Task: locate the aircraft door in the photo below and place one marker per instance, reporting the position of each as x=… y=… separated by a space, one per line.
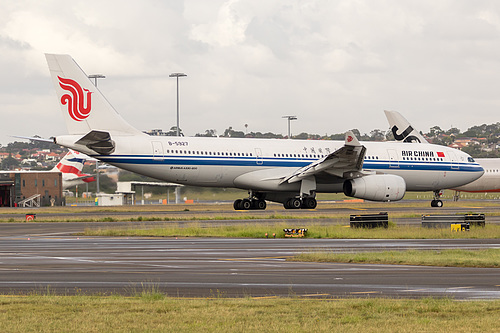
x=258 y=155
x=454 y=160
x=393 y=158
x=157 y=151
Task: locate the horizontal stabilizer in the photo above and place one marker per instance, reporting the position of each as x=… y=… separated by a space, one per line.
x=33 y=138
x=98 y=141
x=82 y=177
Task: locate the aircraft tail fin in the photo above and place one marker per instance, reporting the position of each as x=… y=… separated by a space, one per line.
x=401 y=128
x=84 y=107
x=71 y=163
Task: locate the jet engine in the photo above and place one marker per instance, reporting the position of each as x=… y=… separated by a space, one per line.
x=376 y=187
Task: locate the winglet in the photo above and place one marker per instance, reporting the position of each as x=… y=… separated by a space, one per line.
x=351 y=140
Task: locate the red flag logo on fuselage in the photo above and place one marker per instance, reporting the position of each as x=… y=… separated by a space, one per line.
x=440 y=154
x=79 y=100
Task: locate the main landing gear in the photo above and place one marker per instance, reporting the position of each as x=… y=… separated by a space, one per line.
x=254 y=201
x=297 y=203
x=436 y=202
x=247 y=204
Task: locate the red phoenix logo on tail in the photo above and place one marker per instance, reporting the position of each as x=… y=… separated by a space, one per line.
x=76 y=100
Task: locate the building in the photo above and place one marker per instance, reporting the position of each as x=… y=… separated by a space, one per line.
x=30 y=188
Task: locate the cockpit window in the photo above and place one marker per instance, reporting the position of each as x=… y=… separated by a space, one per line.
x=470 y=159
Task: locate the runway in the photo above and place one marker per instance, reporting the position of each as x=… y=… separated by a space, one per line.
x=326 y=213
x=45 y=259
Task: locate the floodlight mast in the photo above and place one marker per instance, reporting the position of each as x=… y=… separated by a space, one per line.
x=177 y=76
x=95 y=77
x=289 y=119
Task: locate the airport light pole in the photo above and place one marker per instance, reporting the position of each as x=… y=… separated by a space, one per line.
x=290 y=118
x=177 y=76
x=95 y=77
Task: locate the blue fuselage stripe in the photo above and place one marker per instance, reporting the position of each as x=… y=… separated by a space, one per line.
x=283 y=162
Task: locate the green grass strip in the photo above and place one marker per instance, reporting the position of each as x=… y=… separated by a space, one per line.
x=446 y=258
x=166 y=314
x=314 y=231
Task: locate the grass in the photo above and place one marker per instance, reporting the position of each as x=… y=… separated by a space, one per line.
x=41 y=313
x=191 y=230
x=226 y=208
x=488 y=258
x=314 y=231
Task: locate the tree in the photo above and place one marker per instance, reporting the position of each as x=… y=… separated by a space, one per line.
x=230 y=133
x=453 y=131
x=435 y=131
x=208 y=133
x=302 y=136
x=9 y=163
x=173 y=131
x=377 y=135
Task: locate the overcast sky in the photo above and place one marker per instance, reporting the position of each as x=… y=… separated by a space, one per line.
x=336 y=65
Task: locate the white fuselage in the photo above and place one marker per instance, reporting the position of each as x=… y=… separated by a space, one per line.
x=489 y=181
x=219 y=162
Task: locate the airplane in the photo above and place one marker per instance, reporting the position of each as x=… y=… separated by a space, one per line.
x=71 y=166
x=488 y=182
x=290 y=172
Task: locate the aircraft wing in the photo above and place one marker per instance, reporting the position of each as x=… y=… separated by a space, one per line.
x=345 y=162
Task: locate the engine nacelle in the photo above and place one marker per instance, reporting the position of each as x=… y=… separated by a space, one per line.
x=376 y=187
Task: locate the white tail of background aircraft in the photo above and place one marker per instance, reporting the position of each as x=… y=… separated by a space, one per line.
x=71 y=166
x=401 y=128
x=286 y=171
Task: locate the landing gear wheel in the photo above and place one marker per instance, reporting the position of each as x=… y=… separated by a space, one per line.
x=237 y=204
x=309 y=203
x=246 y=204
x=260 y=204
x=436 y=203
x=293 y=203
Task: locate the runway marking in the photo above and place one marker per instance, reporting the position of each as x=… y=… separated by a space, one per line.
x=410 y=290
x=462 y=287
x=256 y=258
x=313 y=295
x=359 y=209
x=365 y=292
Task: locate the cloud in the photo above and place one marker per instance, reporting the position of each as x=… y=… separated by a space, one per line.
x=335 y=64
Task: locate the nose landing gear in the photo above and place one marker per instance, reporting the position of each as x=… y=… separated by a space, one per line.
x=436 y=202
